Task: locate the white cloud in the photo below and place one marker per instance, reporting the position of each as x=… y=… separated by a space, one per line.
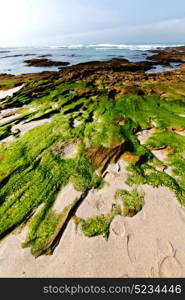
x=164 y=31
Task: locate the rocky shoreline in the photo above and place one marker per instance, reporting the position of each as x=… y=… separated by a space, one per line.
x=88 y=155
x=162 y=57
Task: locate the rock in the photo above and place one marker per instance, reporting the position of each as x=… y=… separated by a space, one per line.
x=44 y=62
x=168 y=55
x=101 y=155
x=45 y=55
x=29 y=54
x=4 y=51
x=10 y=56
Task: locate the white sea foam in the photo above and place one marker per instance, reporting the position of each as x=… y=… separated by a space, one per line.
x=76 y=53
x=68 y=46
x=142 y=47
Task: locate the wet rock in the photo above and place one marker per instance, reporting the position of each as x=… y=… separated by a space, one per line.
x=4 y=51
x=11 y=56
x=100 y=156
x=168 y=55
x=44 y=62
x=45 y=55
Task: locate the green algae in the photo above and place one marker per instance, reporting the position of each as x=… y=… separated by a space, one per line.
x=5 y=131
x=133 y=201
x=166 y=90
x=8 y=83
x=175 y=158
x=147 y=174
x=99 y=225
x=31 y=173
x=44 y=228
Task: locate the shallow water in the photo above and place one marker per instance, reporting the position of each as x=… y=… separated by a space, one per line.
x=12 y=59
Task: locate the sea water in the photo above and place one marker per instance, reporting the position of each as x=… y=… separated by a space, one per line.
x=12 y=59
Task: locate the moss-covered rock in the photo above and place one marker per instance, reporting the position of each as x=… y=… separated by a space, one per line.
x=100 y=108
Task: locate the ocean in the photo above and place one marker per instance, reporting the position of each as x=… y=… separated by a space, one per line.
x=12 y=59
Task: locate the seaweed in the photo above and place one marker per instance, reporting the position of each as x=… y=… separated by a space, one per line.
x=32 y=173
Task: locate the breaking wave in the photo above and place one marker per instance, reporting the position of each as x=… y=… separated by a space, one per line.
x=142 y=47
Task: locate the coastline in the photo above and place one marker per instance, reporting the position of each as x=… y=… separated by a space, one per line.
x=17 y=60
x=89 y=121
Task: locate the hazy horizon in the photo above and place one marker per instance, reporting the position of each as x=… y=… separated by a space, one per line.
x=57 y=22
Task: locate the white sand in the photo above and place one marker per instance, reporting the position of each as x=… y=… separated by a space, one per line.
x=76 y=123
x=65 y=197
x=182 y=133
x=143 y=135
x=160 y=154
x=100 y=202
x=9 y=92
x=151 y=244
x=8 y=114
x=25 y=127
x=10 y=118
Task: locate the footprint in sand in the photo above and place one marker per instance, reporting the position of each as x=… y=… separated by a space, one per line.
x=152 y=272
x=118 y=226
x=170 y=267
x=99 y=204
x=131 y=247
x=96 y=201
x=165 y=247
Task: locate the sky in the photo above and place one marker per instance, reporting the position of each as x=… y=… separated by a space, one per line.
x=64 y=22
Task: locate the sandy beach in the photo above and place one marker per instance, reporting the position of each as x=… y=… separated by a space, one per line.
x=147 y=245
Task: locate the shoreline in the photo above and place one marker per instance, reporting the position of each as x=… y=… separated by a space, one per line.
x=38 y=60
x=92 y=168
